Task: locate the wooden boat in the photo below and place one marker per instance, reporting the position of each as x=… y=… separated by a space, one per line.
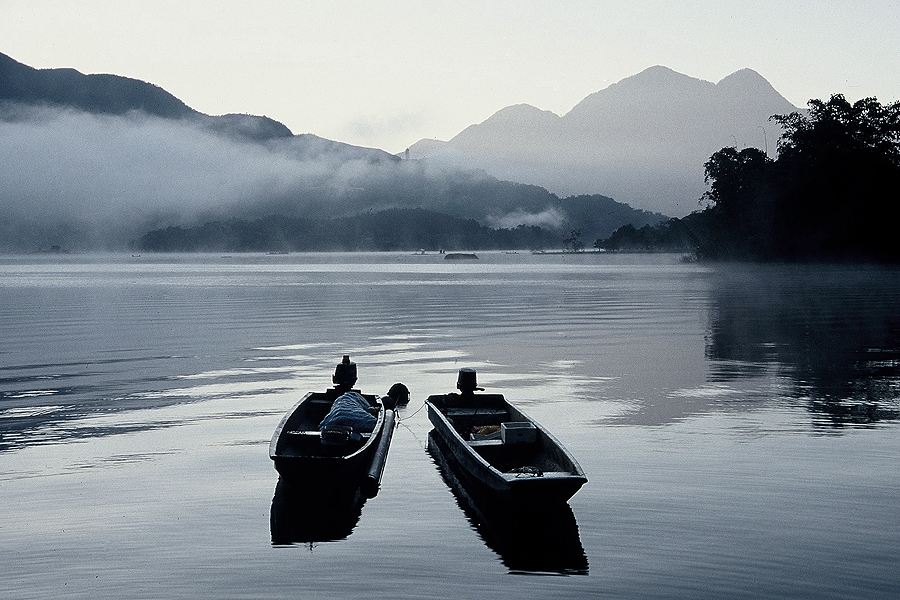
x=332 y=457
x=529 y=538
x=522 y=463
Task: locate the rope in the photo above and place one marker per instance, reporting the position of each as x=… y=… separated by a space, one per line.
x=407 y=427
x=399 y=419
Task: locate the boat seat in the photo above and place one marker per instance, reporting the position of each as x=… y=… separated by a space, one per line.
x=509 y=476
x=483 y=443
x=471 y=412
x=317 y=433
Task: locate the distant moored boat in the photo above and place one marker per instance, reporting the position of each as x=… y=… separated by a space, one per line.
x=461 y=256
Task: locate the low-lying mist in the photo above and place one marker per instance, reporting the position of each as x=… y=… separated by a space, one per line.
x=87 y=181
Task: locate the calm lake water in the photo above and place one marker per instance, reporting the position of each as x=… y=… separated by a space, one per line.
x=738 y=424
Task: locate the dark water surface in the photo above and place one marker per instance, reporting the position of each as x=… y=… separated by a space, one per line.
x=738 y=425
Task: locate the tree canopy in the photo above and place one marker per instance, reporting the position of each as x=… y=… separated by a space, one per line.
x=864 y=131
x=837 y=172
x=829 y=195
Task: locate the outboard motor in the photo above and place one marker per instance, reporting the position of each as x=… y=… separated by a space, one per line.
x=398 y=395
x=467 y=382
x=344 y=373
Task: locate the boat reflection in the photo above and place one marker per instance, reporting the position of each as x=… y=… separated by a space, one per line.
x=309 y=514
x=528 y=539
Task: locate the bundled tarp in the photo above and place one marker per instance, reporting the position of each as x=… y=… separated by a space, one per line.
x=349 y=410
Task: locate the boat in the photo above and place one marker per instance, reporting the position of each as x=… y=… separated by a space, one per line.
x=460 y=256
x=528 y=538
x=502 y=452
x=336 y=454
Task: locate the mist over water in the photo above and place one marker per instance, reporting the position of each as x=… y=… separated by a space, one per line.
x=737 y=423
x=101 y=173
x=89 y=182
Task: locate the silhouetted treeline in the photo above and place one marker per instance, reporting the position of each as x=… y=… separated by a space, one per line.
x=829 y=196
x=675 y=235
x=594 y=213
x=397 y=228
x=393 y=229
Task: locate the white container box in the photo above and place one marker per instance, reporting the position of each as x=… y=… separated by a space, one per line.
x=518 y=433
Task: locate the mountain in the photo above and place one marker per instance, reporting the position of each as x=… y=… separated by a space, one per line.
x=115 y=95
x=94 y=162
x=642 y=141
x=110 y=94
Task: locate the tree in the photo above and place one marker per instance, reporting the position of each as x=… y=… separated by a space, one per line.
x=838 y=167
x=828 y=196
x=740 y=203
x=574 y=241
x=733 y=177
x=864 y=130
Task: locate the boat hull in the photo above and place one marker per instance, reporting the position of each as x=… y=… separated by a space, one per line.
x=303 y=460
x=529 y=538
x=538 y=472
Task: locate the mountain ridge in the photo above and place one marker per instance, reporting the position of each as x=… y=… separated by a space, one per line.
x=642 y=140
x=99 y=161
x=104 y=93
x=117 y=95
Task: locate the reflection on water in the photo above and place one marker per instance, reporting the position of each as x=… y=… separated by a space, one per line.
x=49 y=403
x=528 y=540
x=137 y=401
x=834 y=332
x=303 y=515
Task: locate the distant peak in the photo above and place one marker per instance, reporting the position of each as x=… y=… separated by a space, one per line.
x=743 y=77
x=518 y=111
x=658 y=70
x=515 y=118
x=659 y=74
x=654 y=85
x=656 y=79
x=747 y=82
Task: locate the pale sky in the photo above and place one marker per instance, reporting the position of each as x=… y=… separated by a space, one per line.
x=387 y=73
